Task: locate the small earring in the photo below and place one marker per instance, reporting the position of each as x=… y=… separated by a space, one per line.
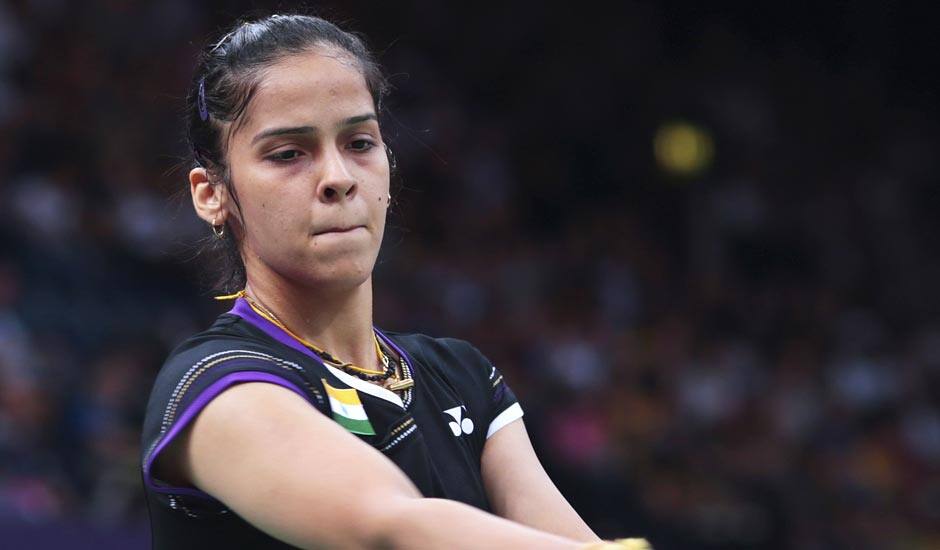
x=218 y=230
x=389 y=198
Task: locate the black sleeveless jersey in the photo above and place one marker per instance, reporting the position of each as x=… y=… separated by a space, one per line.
x=434 y=432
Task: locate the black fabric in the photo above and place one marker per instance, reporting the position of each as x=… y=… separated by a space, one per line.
x=441 y=454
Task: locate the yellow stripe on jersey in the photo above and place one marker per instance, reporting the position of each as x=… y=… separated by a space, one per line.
x=348 y=410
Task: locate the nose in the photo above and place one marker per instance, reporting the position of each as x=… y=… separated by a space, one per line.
x=336 y=182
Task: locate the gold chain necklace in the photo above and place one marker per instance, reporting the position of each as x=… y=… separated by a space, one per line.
x=388 y=376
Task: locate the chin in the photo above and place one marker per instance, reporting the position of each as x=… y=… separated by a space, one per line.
x=346 y=275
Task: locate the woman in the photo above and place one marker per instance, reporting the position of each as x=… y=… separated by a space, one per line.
x=292 y=420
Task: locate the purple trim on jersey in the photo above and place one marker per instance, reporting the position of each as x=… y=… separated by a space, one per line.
x=498 y=394
x=194 y=408
x=400 y=351
x=245 y=311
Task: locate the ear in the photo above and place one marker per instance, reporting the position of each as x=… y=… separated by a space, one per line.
x=209 y=199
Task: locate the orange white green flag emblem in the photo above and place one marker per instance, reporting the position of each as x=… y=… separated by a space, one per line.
x=348 y=411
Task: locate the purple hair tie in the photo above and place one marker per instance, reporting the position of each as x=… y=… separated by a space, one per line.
x=201 y=100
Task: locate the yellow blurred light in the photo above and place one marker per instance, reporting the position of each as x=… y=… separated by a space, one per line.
x=683 y=149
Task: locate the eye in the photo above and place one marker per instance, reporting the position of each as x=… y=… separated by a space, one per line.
x=361 y=145
x=285 y=156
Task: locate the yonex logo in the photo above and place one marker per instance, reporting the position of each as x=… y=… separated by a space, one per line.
x=458 y=426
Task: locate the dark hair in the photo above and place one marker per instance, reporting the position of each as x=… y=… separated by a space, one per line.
x=226 y=79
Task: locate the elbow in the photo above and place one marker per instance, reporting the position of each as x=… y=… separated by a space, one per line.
x=374 y=523
x=389 y=523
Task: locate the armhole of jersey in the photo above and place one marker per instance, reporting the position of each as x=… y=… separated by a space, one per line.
x=503 y=419
x=193 y=409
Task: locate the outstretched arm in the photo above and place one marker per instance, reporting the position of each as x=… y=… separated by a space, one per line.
x=519 y=489
x=295 y=474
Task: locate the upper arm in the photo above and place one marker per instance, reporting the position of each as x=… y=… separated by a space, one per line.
x=286 y=468
x=519 y=489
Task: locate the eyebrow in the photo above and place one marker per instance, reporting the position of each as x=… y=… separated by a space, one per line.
x=300 y=130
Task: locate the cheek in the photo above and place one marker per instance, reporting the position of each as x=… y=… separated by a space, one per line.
x=271 y=212
x=373 y=180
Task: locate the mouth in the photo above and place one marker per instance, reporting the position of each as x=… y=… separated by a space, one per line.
x=338 y=230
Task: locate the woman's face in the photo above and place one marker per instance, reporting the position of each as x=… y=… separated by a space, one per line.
x=310 y=171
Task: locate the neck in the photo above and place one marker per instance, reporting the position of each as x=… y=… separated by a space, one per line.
x=337 y=320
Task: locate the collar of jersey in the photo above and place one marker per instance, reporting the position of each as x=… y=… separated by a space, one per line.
x=243 y=310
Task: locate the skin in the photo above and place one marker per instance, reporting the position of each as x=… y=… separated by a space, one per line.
x=252 y=446
x=519 y=489
x=292 y=187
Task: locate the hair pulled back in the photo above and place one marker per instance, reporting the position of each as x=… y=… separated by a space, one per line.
x=225 y=80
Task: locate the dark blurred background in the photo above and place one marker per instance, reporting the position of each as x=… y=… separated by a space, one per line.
x=700 y=242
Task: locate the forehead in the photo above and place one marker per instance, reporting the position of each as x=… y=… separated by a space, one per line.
x=315 y=88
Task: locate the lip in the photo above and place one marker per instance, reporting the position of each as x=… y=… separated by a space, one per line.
x=338 y=230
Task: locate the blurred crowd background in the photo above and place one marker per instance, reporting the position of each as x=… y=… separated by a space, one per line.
x=700 y=243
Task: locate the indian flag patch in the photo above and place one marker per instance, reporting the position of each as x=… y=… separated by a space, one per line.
x=348 y=411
